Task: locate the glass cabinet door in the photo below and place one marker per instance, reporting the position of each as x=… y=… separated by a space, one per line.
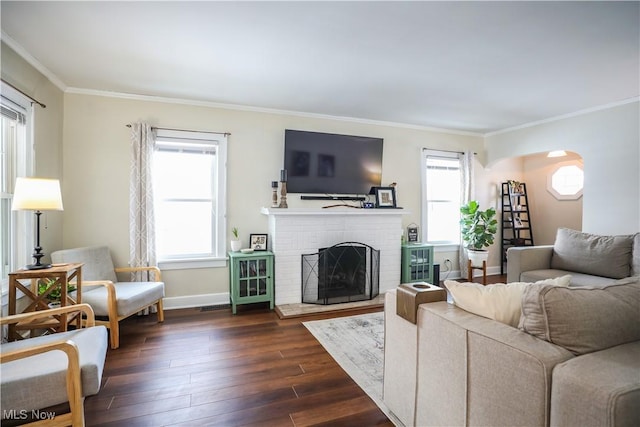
x=252 y=279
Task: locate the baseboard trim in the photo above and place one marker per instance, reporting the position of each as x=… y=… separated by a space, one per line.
x=204 y=300
x=191 y=301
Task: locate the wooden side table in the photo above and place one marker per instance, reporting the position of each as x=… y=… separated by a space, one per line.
x=61 y=274
x=484 y=271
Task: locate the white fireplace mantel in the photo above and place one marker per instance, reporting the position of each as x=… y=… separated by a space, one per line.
x=333 y=211
x=297 y=231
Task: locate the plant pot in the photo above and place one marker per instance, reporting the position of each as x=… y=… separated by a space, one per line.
x=476 y=256
x=236 y=245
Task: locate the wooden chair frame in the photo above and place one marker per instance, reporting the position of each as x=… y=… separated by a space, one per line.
x=113 y=322
x=73 y=378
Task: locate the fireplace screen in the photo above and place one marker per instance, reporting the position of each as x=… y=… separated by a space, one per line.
x=345 y=272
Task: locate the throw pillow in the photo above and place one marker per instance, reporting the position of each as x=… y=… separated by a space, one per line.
x=583 y=319
x=606 y=256
x=499 y=301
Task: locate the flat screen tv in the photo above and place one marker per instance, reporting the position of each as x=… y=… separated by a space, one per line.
x=326 y=163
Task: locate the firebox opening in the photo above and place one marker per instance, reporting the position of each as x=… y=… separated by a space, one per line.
x=345 y=272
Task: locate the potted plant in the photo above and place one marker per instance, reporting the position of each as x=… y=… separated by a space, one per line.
x=54 y=296
x=236 y=244
x=478 y=229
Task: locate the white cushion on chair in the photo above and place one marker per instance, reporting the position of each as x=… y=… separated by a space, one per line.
x=130 y=296
x=39 y=381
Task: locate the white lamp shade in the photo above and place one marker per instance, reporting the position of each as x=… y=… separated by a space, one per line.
x=37 y=194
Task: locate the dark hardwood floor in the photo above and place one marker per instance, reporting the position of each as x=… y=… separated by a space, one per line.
x=210 y=368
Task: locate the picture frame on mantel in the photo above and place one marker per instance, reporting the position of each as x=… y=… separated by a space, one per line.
x=385 y=197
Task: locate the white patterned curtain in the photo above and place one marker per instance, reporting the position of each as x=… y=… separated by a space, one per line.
x=467 y=193
x=142 y=236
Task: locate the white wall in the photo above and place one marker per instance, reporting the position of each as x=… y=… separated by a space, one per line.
x=609 y=142
x=96 y=169
x=547 y=212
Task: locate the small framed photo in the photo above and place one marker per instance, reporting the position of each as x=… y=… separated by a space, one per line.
x=385 y=197
x=258 y=242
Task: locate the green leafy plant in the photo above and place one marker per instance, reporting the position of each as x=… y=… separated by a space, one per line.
x=234 y=231
x=56 y=293
x=478 y=227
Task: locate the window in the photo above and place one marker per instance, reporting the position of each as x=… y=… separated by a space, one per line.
x=441 y=172
x=189 y=194
x=16 y=159
x=566 y=182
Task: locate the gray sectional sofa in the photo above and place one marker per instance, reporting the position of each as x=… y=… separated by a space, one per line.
x=590 y=259
x=573 y=359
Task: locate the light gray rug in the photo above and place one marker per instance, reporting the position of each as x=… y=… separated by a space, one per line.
x=357 y=344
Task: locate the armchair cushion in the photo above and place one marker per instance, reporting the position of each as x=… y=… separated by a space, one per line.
x=130 y=297
x=38 y=381
x=98 y=264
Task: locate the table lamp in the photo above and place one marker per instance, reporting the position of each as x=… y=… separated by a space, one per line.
x=37 y=194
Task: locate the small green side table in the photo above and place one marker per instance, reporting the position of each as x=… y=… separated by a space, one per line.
x=250 y=278
x=417 y=263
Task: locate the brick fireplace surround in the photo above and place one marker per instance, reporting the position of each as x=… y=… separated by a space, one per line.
x=293 y=232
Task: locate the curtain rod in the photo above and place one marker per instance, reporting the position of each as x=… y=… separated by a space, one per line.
x=33 y=100
x=187 y=130
x=447 y=151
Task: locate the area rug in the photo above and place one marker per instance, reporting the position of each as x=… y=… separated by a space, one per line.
x=357 y=344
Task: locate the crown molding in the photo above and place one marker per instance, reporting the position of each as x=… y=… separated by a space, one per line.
x=74 y=90
x=564 y=116
x=197 y=103
x=22 y=52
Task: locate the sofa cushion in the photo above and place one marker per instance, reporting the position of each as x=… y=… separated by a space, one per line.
x=607 y=256
x=583 y=319
x=635 y=256
x=601 y=388
x=577 y=279
x=498 y=301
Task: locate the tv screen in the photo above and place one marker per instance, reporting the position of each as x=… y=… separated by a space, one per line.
x=326 y=163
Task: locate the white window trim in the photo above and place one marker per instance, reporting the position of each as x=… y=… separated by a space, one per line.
x=555 y=169
x=438 y=246
x=221 y=222
x=23 y=236
x=192 y=263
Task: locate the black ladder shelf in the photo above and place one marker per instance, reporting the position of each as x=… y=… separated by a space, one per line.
x=516 y=219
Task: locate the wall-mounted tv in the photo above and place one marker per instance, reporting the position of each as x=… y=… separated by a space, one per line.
x=326 y=163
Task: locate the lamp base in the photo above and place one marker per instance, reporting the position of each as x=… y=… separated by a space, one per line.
x=37 y=266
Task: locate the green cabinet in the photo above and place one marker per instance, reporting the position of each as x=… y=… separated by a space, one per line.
x=250 y=278
x=417 y=263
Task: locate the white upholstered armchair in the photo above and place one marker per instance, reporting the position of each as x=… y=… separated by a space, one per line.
x=50 y=370
x=109 y=297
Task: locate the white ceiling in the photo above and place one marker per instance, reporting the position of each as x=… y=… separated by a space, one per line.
x=467 y=66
